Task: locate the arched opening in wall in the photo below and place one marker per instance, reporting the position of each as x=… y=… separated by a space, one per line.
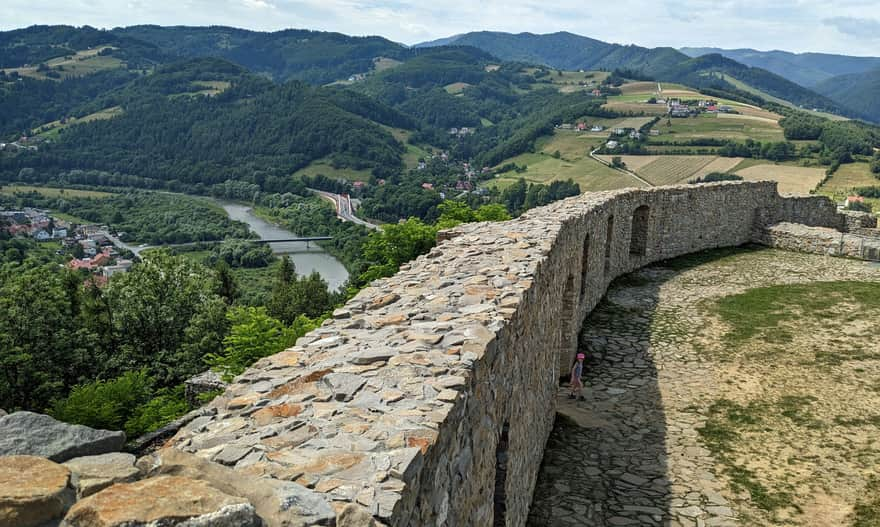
x=638 y=242
x=500 y=499
x=609 y=236
x=566 y=333
x=585 y=265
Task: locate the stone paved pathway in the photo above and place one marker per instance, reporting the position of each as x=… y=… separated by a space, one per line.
x=630 y=454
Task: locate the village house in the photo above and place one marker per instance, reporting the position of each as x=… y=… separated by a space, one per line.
x=581 y=127
x=122 y=266
x=597 y=128
x=611 y=145
x=852 y=200
x=42 y=236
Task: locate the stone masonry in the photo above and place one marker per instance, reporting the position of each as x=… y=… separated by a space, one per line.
x=428 y=398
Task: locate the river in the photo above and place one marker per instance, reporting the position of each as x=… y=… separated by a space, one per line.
x=306 y=260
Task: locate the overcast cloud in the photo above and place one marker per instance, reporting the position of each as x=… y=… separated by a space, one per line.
x=847 y=26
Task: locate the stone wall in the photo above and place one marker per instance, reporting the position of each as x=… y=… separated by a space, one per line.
x=821 y=240
x=428 y=398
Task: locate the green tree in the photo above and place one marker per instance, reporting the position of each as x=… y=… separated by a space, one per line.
x=396 y=244
x=105 y=404
x=253 y=335
x=43 y=349
x=227 y=286
x=167 y=316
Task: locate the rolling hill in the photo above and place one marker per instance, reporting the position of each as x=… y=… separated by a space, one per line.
x=806 y=69
x=569 y=51
x=316 y=57
x=859 y=91
x=565 y=50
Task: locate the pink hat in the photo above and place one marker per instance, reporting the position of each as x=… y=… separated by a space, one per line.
x=581 y=356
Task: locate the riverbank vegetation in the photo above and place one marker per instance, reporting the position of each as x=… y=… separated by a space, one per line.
x=144 y=217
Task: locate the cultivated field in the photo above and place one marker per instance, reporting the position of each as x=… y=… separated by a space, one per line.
x=574 y=162
x=634 y=163
x=791 y=179
x=51 y=129
x=720 y=164
x=79 y=64
x=720 y=126
x=636 y=107
x=633 y=122
x=850 y=176
x=669 y=170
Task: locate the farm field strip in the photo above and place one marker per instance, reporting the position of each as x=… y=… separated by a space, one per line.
x=720 y=164
x=668 y=170
x=791 y=179
x=634 y=163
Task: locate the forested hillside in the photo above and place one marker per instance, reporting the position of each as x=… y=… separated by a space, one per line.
x=569 y=51
x=806 y=69
x=314 y=56
x=252 y=130
x=859 y=91
x=565 y=50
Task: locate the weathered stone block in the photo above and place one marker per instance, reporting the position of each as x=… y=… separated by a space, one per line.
x=163 y=500
x=27 y=433
x=33 y=490
x=91 y=474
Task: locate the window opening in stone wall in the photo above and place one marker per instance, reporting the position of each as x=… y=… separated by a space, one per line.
x=609 y=233
x=564 y=338
x=585 y=265
x=638 y=244
x=500 y=500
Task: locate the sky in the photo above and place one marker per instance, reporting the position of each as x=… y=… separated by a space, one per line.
x=849 y=27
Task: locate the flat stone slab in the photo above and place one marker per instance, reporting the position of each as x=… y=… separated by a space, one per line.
x=30 y=434
x=33 y=490
x=91 y=474
x=164 y=500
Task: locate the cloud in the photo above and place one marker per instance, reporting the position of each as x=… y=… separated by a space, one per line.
x=794 y=25
x=857 y=27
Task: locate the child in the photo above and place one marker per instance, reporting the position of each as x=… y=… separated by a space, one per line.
x=577 y=369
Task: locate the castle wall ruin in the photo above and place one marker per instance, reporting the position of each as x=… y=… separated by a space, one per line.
x=428 y=398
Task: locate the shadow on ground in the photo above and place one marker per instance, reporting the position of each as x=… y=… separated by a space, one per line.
x=606 y=462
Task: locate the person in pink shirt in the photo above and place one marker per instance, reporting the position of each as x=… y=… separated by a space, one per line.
x=577 y=369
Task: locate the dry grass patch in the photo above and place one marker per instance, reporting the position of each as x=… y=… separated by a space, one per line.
x=456 y=87
x=791 y=179
x=646 y=87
